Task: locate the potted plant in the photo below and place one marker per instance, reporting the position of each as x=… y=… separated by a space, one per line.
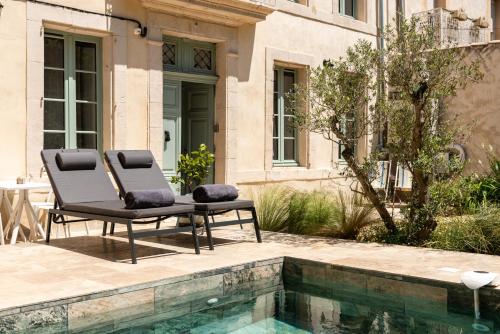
x=193 y=168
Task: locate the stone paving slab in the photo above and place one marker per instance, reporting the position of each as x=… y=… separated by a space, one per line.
x=72 y=267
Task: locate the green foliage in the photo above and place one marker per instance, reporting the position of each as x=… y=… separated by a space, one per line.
x=467 y=194
x=193 y=168
x=311 y=212
x=479 y=233
x=352 y=214
x=487 y=187
x=454 y=196
x=318 y=212
x=377 y=232
x=271 y=204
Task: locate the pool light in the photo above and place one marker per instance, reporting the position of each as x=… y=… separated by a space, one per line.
x=475 y=280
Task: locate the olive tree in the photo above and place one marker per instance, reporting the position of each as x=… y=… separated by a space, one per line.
x=348 y=100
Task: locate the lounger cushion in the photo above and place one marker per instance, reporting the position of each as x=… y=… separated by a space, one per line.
x=117 y=209
x=67 y=161
x=135 y=159
x=151 y=198
x=215 y=206
x=209 y=193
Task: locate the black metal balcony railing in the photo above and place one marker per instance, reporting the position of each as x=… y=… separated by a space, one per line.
x=452 y=30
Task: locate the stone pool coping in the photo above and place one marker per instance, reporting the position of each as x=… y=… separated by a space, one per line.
x=78 y=269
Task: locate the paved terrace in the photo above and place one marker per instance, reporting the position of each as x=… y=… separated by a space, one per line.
x=33 y=273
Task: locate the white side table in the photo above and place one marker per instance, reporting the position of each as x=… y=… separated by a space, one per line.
x=23 y=203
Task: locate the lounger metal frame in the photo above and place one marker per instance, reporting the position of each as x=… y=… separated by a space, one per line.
x=56 y=215
x=110 y=159
x=212 y=213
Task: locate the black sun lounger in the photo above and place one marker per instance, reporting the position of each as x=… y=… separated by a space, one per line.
x=84 y=190
x=130 y=177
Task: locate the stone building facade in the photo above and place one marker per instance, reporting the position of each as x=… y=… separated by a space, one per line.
x=83 y=74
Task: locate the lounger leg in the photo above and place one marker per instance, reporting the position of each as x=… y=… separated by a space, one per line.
x=104 y=228
x=131 y=242
x=239 y=218
x=112 y=229
x=209 y=232
x=195 y=236
x=158 y=225
x=256 y=225
x=49 y=227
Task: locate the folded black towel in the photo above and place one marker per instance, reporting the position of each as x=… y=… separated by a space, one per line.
x=209 y=193
x=144 y=199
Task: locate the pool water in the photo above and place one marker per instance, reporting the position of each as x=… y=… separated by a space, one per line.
x=300 y=309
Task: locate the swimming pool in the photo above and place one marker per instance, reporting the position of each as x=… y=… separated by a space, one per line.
x=292 y=310
x=292 y=296
x=288 y=306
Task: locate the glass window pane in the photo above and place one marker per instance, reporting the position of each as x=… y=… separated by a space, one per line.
x=86 y=87
x=275 y=81
x=54 y=52
x=289 y=126
x=86 y=140
x=275 y=149
x=275 y=126
x=202 y=59
x=53 y=115
x=289 y=149
x=349 y=7
x=54 y=84
x=169 y=53
x=85 y=56
x=288 y=81
x=86 y=117
x=54 y=140
x=289 y=86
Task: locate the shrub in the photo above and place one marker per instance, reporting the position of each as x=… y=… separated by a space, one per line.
x=311 y=211
x=377 y=232
x=453 y=197
x=353 y=213
x=271 y=204
x=466 y=194
x=478 y=233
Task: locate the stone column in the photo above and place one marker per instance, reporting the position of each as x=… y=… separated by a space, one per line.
x=155 y=100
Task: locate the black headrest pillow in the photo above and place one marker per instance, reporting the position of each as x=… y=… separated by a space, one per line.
x=135 y=159
x=75 y=161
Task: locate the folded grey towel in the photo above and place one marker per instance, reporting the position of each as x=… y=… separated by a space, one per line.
x=145 y=199
x=209 y=193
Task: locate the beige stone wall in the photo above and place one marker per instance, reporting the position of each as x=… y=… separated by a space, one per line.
x=282 y=39
x=12 y=89
x=477 y=106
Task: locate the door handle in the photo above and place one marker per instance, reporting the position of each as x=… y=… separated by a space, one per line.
x=166 y=136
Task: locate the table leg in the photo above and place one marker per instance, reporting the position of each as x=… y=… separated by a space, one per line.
x=14 y=219
x=37 y=227
x=17 y=229
x=10 y=212
x=2 y=241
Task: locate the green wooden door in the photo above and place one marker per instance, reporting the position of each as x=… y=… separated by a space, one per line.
x=198 y=110
x=172 y=120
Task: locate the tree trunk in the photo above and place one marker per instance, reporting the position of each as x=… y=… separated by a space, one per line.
x=420 y=182
x=368 y=190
